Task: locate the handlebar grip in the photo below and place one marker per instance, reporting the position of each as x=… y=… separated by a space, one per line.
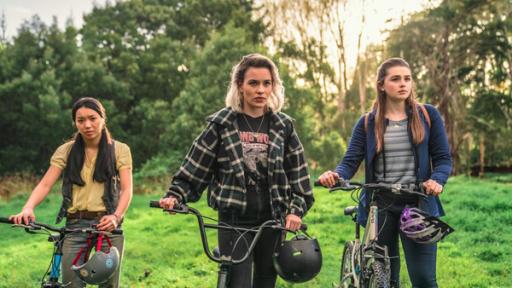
x=5 y=220
x=154 y=204
x=317 y=183
x=303 y=227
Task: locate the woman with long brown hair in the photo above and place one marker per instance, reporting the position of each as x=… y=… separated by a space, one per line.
x=402 y=142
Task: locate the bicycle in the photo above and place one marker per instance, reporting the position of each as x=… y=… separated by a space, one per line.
x=364 y=263
x=225 y=261
x=53 y=271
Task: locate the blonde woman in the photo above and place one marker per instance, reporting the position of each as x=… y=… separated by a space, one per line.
x=250 y=158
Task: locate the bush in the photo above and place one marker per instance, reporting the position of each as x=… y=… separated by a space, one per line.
x=155 y=174
x=18 y=183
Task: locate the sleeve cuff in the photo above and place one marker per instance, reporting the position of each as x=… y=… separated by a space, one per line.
x=297 y=212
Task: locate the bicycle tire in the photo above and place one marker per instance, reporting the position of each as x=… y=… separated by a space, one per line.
x=347 y=279
x=379 y=276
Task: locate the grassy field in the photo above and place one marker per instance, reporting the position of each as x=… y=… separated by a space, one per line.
x=165 y=251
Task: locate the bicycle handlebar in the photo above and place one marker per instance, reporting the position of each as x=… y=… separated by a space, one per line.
x=5 y=220
x=395 y=188
x=38 y=226
x=184 y=209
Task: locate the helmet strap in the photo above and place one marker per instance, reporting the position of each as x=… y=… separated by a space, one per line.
x=99 y=242
x=86 y=249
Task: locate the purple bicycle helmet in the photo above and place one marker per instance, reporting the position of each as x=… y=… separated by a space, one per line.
x=422 y=228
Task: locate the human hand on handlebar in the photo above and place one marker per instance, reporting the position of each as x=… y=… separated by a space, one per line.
x=169 y=203
x=328 y=179
x=432 y=187
x=293 y=222
x=107 y=223
x=24 y=217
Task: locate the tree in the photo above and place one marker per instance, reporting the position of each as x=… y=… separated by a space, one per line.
x=462 y=57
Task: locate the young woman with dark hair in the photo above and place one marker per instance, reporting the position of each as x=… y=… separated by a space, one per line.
x=96 y=185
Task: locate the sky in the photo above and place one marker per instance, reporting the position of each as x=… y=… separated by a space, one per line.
x=380 y=16
x=16 y=11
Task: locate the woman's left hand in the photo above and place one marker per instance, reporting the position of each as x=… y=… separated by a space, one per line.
x=432 y=187
x=293 y=222
x=107 y=223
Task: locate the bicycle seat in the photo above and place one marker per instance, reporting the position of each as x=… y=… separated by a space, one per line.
x=350 y=210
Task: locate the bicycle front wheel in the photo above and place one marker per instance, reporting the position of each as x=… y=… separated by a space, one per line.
x=348 y=278
x=379 y=276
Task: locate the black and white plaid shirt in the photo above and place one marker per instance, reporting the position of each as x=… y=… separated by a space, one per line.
x=215 y=160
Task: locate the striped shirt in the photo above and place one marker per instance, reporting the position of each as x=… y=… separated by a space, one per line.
x=398 y=151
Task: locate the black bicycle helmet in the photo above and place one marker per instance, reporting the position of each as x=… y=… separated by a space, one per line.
x=298 y=259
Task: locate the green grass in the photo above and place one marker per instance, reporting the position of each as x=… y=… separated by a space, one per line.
x=165 y=251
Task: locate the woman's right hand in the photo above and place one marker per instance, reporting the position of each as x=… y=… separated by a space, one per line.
x=328 y=178
x=169 y=202
x=24 y=217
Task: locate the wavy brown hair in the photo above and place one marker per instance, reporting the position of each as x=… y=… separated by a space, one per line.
x=379 y=106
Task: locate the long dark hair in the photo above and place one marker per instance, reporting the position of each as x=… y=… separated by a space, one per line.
x=379 y=106
x=103 y=169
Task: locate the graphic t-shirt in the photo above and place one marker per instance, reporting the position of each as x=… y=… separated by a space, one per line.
x=254 y=136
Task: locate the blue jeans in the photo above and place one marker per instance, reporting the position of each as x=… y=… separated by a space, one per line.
x=71 y=246
x=420 y=258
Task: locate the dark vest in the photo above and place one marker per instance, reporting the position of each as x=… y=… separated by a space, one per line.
x=110 y=194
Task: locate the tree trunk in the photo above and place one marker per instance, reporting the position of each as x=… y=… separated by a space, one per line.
x=482 y=155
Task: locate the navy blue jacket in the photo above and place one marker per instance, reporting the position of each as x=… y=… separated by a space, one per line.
x=432 y=158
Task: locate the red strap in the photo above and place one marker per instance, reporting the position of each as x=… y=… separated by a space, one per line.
x=82 y=249
x=108 y=241
x=99 y=243
x=75 y=260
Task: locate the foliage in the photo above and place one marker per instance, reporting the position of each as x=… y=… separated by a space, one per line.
x=463 y=65
x=135 y=56
x=162 y=66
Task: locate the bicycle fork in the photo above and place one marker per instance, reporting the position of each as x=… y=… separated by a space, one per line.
x=53 y=282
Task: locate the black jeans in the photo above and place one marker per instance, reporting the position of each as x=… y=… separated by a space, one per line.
x=258 y=270
x=420 y=258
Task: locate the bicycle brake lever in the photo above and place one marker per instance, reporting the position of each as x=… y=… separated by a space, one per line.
x=180 y=209
x=28 y=228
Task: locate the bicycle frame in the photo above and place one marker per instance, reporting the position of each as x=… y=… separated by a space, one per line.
x=365 y=253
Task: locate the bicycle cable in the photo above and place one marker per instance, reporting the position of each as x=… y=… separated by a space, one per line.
x=240 y=237
x=51 y=260
x=233 y=228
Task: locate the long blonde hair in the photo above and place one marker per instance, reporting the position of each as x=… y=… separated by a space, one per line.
x=379 y=106
x=234 y=99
